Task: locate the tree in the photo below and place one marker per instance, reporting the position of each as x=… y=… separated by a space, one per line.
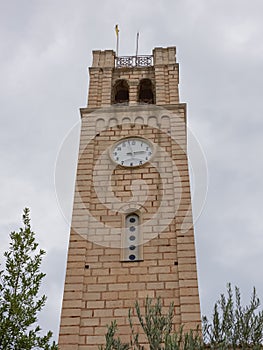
x=19 y=289
x=158 y=329
x=233 y=325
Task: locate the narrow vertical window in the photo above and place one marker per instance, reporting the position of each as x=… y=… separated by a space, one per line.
x=132 y=250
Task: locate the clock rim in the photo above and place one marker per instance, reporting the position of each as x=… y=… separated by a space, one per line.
x=151 y=144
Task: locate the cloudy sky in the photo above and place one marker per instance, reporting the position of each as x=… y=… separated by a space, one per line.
x=45 y=49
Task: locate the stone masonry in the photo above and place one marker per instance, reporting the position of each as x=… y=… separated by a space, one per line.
x=99 y=285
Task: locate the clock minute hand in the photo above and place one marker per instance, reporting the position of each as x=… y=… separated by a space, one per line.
x=132 y=153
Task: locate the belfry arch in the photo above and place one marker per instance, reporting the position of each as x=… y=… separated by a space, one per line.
x=146 y=91
x=120 y=91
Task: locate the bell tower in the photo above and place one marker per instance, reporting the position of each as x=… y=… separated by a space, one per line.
x=132 y=231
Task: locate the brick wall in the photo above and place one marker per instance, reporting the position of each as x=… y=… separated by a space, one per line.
x=99 y=286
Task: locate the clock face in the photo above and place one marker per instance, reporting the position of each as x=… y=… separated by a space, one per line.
x=132 y=151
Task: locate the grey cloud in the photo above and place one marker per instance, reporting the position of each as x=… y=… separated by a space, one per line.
x=45 y=49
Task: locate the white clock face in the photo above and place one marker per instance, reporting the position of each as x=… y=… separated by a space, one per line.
x=132 y=151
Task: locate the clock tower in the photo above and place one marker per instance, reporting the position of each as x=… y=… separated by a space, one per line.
x=132 y=231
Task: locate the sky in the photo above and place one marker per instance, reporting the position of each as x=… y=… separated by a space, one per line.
x=45 y=49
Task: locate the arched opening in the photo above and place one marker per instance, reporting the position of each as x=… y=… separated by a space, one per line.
x=146 y=91
x=132 y=240
x=121 y=92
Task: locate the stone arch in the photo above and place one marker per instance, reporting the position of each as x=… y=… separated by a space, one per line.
x=113 y=122
x=152 y=121
x=139 y=120
x=120 y=91
x=126 y=120
x=165 y=121
x=100 y=124
x=146 y=91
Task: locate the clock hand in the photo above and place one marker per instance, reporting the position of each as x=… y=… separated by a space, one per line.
x=135 y=152
x=132 y=153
